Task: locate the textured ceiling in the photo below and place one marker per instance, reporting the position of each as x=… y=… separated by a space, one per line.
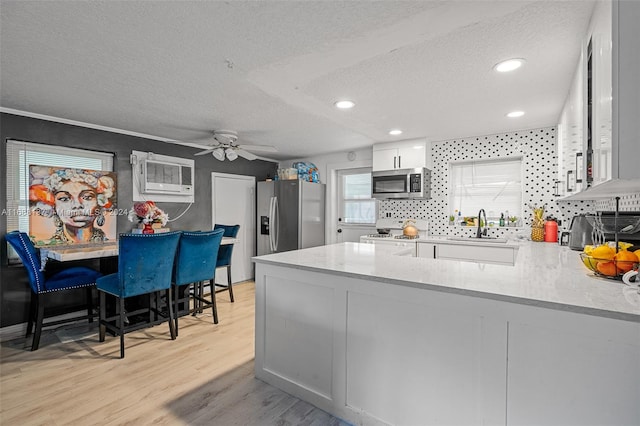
x=272 y=70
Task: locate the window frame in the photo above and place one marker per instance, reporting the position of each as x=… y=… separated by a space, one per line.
x=17 y=177
x=452 y=196
x=341 y=196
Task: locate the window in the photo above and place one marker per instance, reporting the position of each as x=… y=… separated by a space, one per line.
x=356 y=204
x=22 y=154
x=493 y=185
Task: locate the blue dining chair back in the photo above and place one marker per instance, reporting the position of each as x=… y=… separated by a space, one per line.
x=224 y=256
x=196 y=261
x=41 y=285
x=145 y=266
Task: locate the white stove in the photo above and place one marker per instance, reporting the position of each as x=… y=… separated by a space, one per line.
x=395 y=236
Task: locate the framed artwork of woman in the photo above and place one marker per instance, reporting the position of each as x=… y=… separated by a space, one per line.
x=71 y=206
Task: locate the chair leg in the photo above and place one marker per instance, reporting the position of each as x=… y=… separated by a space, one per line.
x=172 y=330
x=212 y=284
x=39 y=319
x=121 y=326
x=33 y=306
x=90 y=304
x=229 y=282
x=102 y=315
x=176 y=296
x=196 y=294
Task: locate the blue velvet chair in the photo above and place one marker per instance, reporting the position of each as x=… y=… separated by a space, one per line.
x=42 y=287
x=145 y=266
x=196 y=263
x=224 y=256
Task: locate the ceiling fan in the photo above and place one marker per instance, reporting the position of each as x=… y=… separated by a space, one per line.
x=223 y=145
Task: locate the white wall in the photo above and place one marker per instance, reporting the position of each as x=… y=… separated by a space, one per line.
x=321 y=161
x=327 y=165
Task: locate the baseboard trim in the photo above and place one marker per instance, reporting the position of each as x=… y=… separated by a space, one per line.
x=16 y=331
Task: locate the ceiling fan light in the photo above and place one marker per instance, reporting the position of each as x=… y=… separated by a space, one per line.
x=218 y=153
x=231 y=154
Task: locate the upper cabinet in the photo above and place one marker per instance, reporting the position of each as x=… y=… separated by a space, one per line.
x=599 y=129
x=626 y=90
x=409 y=154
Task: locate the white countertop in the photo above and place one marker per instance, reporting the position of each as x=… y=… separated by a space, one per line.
x=545 y=275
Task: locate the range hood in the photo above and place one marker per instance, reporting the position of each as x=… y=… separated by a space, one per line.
x=608 y=189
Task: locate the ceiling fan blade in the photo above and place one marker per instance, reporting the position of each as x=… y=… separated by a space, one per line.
x=245 y=154
x=206 y=151
x=261 y=148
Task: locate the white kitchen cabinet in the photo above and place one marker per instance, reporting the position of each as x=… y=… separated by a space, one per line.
x=426 y=250
x=609 y=149
x=374 y=352
x=400 y=155
x=565 y=370
x=499 y=254
x=625 y=90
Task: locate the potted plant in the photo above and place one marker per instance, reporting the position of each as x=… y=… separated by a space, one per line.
x=452 y=220
x=513 y=220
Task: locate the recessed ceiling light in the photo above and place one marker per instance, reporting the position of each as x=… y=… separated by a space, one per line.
x=508 y=65
x=346 y=104
x=515 y=114
x=395 y=132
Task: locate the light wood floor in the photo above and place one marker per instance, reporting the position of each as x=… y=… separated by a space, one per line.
x=205 y=377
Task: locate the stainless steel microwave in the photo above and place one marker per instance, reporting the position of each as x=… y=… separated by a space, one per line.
x=401 y=183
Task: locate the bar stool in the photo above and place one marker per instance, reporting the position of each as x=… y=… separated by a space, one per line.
x=68 y=279
x=224 y=256
x=195 y=263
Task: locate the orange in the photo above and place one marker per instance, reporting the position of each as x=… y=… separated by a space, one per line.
x=607 y=268
x=625 y=260
x=637 y=253
x=603 y=252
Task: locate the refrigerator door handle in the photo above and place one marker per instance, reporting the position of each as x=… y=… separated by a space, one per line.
x=276 y=214
x=271 y=225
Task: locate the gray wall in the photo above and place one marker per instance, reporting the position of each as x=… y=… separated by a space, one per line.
x=14 y=287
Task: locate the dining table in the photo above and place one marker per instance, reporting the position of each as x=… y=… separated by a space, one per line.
x=67 y=253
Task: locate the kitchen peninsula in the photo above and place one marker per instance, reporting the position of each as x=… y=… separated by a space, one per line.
x=379 y=338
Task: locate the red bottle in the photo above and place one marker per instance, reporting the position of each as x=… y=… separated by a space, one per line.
x=551 y=231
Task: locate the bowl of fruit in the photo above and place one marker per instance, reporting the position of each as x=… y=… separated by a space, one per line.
x=603 y=260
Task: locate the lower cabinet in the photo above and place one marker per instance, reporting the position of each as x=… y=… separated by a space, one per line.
x=427 y=250
x=375 y=353
x=568 y=369
x=504 y=255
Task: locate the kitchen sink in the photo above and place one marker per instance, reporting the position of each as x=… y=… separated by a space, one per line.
x=479 y=240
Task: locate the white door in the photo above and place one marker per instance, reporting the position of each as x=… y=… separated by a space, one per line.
x=356 y=210
x=233 y=198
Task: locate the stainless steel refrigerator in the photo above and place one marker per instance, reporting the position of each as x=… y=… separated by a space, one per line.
x=290 y=215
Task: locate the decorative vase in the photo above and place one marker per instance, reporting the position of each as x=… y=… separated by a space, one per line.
x=537 y=233
x=148 y=229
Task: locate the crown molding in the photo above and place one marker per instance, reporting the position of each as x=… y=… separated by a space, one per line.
x=83 y=124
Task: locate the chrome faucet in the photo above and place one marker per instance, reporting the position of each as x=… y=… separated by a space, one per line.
x=482 y=232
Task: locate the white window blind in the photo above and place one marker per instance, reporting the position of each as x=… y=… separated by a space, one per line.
x=493 y=185
x=22 y=154
x=356 y=204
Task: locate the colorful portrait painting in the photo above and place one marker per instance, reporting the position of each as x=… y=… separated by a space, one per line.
x=71 y=206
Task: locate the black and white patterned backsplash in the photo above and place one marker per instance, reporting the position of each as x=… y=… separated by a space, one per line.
x=538 y=150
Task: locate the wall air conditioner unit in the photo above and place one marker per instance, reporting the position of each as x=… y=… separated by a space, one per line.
x=165 y=177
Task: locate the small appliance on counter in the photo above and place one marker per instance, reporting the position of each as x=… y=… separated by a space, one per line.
x=582 y=231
